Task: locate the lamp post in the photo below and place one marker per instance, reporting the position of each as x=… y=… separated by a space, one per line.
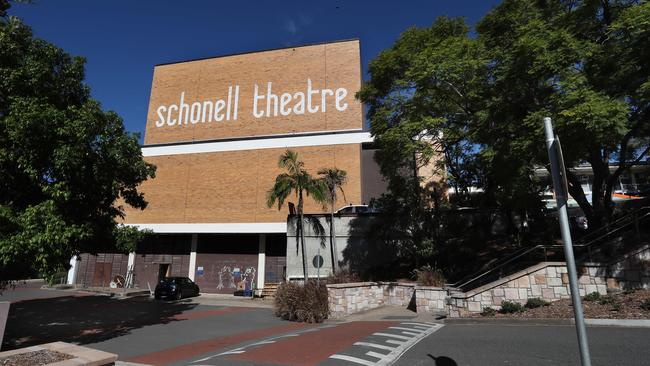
x=561 y=195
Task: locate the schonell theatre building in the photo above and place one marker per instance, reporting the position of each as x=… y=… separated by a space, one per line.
x=215 y=130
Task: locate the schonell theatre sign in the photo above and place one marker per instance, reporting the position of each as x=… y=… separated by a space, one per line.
x=266 y=102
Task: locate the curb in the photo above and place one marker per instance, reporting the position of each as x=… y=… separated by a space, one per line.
x=627 y=323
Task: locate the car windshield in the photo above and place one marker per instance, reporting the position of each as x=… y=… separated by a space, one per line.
x=170 y=280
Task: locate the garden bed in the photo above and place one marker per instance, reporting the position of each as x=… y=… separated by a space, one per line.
x=627 y=305
x=35 y=358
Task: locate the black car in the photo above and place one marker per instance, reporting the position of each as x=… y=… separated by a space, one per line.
x=176 y=288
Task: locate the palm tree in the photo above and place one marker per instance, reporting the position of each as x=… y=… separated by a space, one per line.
x=332 y=180
x=296 y=179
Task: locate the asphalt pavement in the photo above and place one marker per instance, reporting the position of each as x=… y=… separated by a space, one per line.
x=217 y=330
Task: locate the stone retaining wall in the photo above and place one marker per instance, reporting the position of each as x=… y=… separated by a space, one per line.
x=548 y=281
x=430 y=299
x=350 y=298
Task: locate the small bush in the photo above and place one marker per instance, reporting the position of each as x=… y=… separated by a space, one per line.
x=510 y=307
x=343 y=275
x=536 y=303
x=429 y=276
x=616 y=307
x=302 y=303
x=607 y=300
x=594 y=296
x=645 y=304
x=629 y=291
x=488 y=311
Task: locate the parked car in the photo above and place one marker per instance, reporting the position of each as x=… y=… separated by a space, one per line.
x=176 y=288
x=355 y=209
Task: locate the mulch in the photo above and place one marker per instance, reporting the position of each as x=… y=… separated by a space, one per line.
x=34 y=358
x=616 y=306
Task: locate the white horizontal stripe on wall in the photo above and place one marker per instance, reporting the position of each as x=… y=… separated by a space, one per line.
x=225 y=228
x=257 y=144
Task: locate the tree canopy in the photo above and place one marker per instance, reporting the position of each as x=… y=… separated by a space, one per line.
x=481 y=96
x=67 y=167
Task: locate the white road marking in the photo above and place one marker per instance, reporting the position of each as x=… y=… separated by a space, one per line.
x=262 y=342
x=394 y=341
x=395 y=352
x=360 y=361
x=375 y=345
x=392 y=336
x=422 y=325
x=410 y=333
x=376 y=355
x=409 y=329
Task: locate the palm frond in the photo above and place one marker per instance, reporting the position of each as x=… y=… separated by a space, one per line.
x=317 y=227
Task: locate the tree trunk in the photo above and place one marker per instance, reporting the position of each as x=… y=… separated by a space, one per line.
x=333 y=243
x=302 y=237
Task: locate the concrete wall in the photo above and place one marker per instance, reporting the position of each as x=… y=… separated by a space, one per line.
x=350 y=232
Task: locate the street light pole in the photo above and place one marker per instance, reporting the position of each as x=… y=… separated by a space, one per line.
x=561 y=195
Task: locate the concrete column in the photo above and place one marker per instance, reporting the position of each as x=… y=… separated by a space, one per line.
x=130 y=270
x=261 y=260
x=131 y=262
x=192 y=269
x=74 y=269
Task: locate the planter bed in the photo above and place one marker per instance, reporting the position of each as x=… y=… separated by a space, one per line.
x=56 y=353
x=617 y=306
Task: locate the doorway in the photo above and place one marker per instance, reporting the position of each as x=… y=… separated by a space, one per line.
x=163 y=271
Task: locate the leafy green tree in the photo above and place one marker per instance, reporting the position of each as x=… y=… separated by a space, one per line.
x=298 y=181
x=333 y=180
x=482 y=98
x=67 y=168
x=583 y=63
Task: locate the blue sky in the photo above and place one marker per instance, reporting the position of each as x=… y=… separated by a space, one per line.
x=123 y=40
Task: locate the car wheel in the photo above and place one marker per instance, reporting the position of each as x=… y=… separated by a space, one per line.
x=179 y=295
x=157 y=297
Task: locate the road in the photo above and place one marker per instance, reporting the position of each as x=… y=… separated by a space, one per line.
x=192 y=332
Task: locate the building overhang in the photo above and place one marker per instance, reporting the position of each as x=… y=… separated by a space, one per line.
x=215 y=228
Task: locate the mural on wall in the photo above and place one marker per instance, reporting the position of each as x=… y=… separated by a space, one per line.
x=235 y=278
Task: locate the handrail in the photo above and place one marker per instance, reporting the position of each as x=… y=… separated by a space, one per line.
x=581 y=244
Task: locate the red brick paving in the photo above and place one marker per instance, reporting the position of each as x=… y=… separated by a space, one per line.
x=312 y=348
x=191 y=350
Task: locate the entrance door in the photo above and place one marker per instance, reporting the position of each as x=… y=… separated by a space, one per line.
x=163 y=271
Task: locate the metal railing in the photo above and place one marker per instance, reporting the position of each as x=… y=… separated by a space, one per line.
x=526 y=257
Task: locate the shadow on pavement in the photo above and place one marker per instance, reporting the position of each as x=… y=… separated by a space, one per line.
x=443 y=360
x=83 y=320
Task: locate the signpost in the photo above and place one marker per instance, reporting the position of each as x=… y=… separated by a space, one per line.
x=561 y=194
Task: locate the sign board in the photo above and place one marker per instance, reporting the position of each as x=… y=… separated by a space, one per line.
x=284 y=91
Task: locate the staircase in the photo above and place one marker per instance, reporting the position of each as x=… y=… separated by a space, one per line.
x=598 y=245
x=269 y=289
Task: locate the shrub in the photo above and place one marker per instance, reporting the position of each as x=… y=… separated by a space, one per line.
x=629 y=291
x=645 y=304
x=429 y=276
x=536 y=303
x=616 y=307
x=594 y=296
x=343 y=275
x=488 y=311
x=509 y=307
x=302 y=303
x=607 y=300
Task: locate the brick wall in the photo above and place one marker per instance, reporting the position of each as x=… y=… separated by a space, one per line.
x=331 y=65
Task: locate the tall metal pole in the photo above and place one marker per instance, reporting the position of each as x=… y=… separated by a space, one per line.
x=559 y=186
